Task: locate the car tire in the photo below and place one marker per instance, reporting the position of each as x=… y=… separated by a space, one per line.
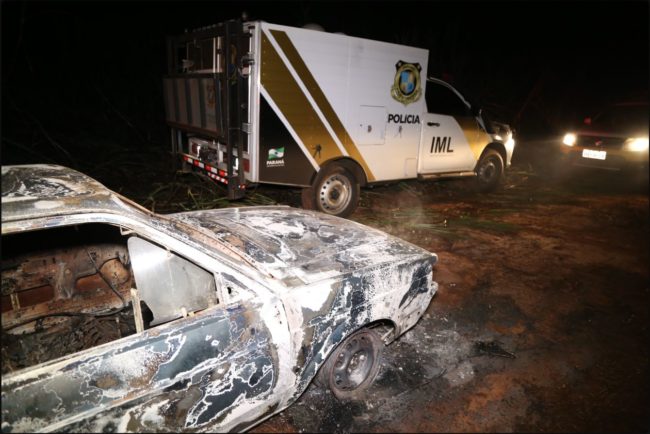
x=335 y=191
x=353 y=365
x=489 y=171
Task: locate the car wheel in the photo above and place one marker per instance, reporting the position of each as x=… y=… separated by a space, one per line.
x=353 y=365
x=336 y=191
x=489 y=171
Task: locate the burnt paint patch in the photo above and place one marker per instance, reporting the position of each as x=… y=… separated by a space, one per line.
x=46 y=182
x=239 y=386
x=301 y=244
x=419 y=284
x=271 y=409
x=186 y=352
x=347 y=312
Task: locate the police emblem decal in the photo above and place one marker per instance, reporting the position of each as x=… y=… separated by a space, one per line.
x=406 y=87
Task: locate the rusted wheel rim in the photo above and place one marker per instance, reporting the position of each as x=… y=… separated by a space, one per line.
x=353 y=363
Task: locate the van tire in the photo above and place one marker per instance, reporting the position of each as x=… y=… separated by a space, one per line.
x=307 y=198
x=335 y=191
x=489 y=171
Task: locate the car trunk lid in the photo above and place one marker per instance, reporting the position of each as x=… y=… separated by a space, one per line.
x=293 y=244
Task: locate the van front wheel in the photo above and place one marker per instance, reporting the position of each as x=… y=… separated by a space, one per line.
x=489 y=171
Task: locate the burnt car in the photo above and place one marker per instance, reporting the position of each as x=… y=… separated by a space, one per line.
x=614 y=139
x=115 y=318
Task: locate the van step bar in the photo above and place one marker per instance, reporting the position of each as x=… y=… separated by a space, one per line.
x=425 y=176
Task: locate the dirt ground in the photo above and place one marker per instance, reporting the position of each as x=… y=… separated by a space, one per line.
x=541 y=319
x=540 y=322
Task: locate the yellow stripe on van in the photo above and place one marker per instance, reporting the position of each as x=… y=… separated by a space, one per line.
x=323 y=104
x=294 y=105
x=476 y=137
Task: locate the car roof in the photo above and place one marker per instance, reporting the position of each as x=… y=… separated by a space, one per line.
x=44 y=190
x=51 y=191
x=292 y=245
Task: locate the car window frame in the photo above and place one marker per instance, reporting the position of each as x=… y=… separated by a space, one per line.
x=214 y=262
x=130 y=226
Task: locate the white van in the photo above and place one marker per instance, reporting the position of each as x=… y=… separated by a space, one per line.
x=257 y=102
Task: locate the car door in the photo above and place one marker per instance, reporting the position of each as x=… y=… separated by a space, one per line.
x=209 y=369
x=448 y=131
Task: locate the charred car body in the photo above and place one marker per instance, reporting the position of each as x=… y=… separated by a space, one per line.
x=118 y=319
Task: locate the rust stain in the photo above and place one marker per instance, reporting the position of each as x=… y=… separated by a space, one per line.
x=107 y=382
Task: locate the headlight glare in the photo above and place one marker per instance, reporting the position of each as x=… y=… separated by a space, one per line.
x=637 y=144
x=569 y=139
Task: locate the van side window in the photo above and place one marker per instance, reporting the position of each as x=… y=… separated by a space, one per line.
x=442 y=100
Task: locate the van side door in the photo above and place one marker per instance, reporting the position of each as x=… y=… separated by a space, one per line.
x=448 y=131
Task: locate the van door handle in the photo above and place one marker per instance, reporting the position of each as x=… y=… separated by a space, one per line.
x=433 y=124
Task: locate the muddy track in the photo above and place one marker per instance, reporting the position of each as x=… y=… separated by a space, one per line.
x=540 y=322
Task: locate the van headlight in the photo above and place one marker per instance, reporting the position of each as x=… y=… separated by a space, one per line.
x=637 y=144
x=569 y=139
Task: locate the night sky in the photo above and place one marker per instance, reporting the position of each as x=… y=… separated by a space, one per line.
x=92 y=70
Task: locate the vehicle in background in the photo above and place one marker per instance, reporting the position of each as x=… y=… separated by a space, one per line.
x=256 y=102
x=118 y=319
x=614 y=139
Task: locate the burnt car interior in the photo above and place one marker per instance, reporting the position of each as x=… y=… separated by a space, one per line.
x=74 y=288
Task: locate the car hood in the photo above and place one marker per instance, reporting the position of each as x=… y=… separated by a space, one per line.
x=600 y=132
x=299 y=246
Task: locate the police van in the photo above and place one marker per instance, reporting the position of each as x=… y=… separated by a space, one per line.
x=256 y=102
